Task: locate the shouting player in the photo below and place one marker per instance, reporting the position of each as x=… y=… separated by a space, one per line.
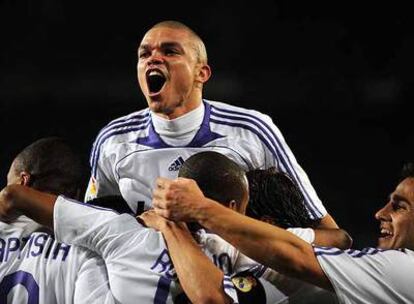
x=132 y=151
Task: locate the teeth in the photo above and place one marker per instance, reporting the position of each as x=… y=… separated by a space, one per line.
x=385 y=231
x=154 y=72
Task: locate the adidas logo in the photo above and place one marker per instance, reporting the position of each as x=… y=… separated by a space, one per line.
x=175 y=166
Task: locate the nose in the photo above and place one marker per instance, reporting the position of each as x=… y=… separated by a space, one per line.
x=155 y=58
x=383 y=213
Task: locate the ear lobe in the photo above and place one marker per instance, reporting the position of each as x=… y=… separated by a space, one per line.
x=25 y=178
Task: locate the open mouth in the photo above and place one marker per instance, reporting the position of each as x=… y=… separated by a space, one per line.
x=155 y=81
x=385 y=234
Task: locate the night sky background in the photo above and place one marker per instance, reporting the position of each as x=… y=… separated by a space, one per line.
x=337 y=79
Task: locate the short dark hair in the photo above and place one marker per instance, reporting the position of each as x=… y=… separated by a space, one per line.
x=53 y=166
x=407 y=171
x=276 y=196
x=199 y=46
x=220 y=178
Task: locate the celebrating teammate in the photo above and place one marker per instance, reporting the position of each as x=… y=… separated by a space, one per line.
x=224 y=181
x=132 y=151
x=136 y=258
x=371 y=275
x=34 y=267
x=124 y=244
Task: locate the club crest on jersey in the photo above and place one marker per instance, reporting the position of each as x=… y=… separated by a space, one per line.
x=245 y=283
x=176 y=164
x=92 y=189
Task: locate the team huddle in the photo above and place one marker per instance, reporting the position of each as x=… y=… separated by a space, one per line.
x=189 y=201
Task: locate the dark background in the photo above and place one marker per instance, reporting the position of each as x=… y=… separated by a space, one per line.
x=336 y=79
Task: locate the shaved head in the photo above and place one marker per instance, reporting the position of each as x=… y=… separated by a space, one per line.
x=198 y=43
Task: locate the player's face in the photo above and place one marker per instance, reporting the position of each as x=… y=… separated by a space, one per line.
x=169 y=72
x=397 y=218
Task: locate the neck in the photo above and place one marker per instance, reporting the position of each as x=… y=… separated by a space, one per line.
x=188 y=104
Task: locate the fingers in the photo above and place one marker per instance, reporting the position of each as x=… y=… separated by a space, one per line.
x=152 y=220
x=163 y=192
x=159 y=203
x=145 y=218
x=162 y=186
x=162 y=182
x=175 y=199
x=163 y=213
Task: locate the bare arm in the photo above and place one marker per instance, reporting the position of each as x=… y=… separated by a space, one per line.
x=327 y=233
x=18 y=199
x=181 y=199
x=200 y=279
x=338 y=238
x=327 y=222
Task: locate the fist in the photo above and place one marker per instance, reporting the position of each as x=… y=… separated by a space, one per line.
x=179 y=199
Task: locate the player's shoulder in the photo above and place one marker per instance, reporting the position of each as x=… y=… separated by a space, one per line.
x=224 y=111
x=126 y=125
x=236 y=110
x=237 y=120
x=384 y=256
x=132 y=119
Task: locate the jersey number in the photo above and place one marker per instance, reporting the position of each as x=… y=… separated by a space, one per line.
x=20 y=277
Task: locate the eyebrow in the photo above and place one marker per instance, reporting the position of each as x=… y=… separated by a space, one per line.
x=163 y=45
x=397 y=197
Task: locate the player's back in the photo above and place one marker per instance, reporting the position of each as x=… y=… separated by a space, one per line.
x=138 y=262
x=34 y=268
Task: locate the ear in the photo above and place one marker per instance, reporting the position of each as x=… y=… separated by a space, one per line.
x=25 y=178
x=204 y=73
x=233 y=205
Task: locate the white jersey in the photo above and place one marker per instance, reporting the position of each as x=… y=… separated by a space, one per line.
x=139 y=266
x=132 y=151
x=370 y=275
x=36 y=269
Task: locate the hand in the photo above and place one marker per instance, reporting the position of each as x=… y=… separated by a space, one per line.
x=152 y=220
x=180 y=199
x=7 y=211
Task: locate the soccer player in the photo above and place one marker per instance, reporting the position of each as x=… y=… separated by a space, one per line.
x=132 y=151
x=276 y=199
x=137 y=261
x=215 y=174
x=125 y=245
x=371 y=275
x=34 y=267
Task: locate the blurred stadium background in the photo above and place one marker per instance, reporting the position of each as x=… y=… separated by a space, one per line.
x=336 y=78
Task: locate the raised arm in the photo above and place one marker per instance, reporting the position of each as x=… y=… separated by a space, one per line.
x=200 y=279
x=338 y=238
x=18 y=199
x=324 y=237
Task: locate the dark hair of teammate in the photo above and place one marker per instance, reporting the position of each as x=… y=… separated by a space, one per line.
x=407 y=171
x=220 y=178
x=275 y=198
x=52 y=167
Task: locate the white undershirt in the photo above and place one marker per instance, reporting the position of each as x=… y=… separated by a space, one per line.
x=179 y=131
